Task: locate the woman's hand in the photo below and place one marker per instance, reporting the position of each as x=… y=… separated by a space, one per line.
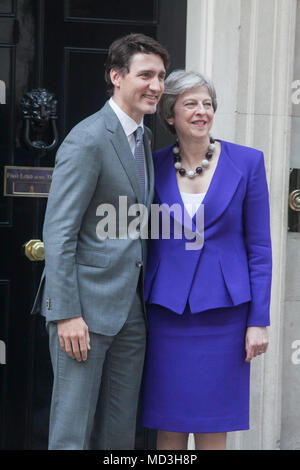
x=256 y=341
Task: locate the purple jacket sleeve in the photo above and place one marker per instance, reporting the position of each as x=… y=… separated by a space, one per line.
x=258 y=244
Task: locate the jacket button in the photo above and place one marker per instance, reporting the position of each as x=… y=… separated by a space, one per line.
x=139 y=264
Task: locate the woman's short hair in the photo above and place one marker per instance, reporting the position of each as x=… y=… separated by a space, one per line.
x=123 y=49
x=177 y=83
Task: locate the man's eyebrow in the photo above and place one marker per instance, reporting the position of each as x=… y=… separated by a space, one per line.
x=162 y=72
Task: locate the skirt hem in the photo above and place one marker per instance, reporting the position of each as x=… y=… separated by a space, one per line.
x=202 y=426
x=198 y=430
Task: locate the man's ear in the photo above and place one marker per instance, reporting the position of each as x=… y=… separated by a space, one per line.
x=115 y=77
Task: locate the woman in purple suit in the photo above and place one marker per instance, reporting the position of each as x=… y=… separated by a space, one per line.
x=208 y=303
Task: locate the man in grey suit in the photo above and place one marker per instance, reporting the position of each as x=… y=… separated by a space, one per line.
x=93 y=295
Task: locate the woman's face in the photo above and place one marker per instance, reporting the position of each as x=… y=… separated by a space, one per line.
x=193 y=113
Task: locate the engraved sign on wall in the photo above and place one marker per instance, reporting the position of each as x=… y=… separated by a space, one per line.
x=27 y=181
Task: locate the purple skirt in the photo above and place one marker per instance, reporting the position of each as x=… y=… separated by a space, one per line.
x=195 y=378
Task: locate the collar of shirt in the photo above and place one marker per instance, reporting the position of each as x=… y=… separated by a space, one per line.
x=129 y=125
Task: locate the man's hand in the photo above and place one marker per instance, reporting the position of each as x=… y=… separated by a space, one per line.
x=74 y=337
x=256 y=341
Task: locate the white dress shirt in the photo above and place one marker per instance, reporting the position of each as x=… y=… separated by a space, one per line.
x=192 y=202
x=129 y=125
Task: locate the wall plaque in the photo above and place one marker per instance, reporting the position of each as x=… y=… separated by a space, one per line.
x=24 y=181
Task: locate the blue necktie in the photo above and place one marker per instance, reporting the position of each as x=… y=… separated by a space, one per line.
x=139 y=156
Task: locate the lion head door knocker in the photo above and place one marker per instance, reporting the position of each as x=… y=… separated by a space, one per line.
x=39 y=113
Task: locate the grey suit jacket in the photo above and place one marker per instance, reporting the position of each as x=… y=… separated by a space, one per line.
x=84 y=275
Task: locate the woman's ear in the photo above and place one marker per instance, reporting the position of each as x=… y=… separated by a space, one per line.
x=170 y=121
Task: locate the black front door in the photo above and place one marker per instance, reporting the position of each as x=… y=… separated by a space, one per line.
x=60 y=46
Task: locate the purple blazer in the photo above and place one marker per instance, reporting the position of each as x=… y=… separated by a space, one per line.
x=235 y=263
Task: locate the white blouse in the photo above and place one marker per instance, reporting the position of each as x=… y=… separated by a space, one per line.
x=192 y=202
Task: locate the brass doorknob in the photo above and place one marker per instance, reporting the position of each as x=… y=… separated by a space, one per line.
x=34 y=250
x=294 y=200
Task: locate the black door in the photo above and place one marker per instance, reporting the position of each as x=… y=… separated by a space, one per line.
x=61 y=46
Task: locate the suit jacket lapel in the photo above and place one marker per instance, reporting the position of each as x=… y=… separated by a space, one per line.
x=150 y=169
x=219 y=194
x=120 y=143
x=168 y=191
x=122 y=148
x=223 y=185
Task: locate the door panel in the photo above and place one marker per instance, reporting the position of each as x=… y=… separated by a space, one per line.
x=18 y=222
x=113 y=11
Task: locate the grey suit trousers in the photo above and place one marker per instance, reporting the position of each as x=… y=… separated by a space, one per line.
x=94 y=403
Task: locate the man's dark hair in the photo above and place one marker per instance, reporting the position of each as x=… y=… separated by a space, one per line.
x=122 y=50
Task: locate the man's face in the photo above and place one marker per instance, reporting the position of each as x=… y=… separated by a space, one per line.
x=138 y=91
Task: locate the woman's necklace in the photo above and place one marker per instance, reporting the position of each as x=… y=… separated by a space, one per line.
x=203 y=164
